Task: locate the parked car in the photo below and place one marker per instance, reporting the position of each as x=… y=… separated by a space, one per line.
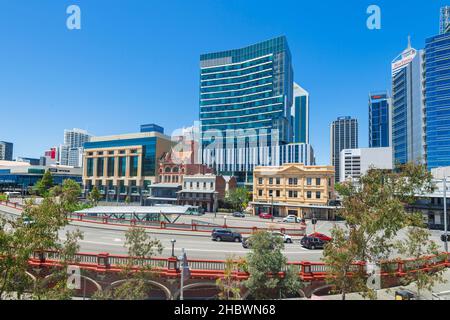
x=312 y=242
x=225 y=235
x=238 y=214
x=321 y=236
x=291 y=219
x=265 y=215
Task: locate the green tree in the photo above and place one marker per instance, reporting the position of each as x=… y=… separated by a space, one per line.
x=229 y=287
x=140 y=247
x=419 y=247
x=94 y=196
x=44 y=185
x=238 y=198
x=374 y=212
x=269 y=276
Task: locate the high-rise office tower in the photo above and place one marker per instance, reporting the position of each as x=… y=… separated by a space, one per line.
x=6 y=151
x=437 y=99
x=379 y=120
x=343 y=135
x=300 y=115
x=408 y=107
x=444 y=25
x=71 y=152
x=245 y=106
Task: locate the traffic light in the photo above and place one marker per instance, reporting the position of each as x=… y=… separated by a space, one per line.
x=443 y=238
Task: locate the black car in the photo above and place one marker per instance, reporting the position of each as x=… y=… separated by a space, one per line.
x=312 y=242
x=225 y=235
x=239 y=214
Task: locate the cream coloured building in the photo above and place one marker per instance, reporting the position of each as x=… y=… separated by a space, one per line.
x=294 y=189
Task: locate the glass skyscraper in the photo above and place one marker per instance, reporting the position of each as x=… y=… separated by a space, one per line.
x=408 y=107
x=379 y=120
x=245 y=106
x=437 y=100
x=300 y=115
x=343 y=135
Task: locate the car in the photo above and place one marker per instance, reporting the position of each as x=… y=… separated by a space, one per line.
x=265 y=215
x=321 y=236
x=225 y=235
x=291 y=219
x=286 y=238
x=238 y=214
x=312 y=243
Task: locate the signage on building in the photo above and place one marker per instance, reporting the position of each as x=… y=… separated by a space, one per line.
x=403 y=60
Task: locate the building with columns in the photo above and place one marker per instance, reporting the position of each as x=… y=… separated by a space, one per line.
x=294 y=189
x=123 y=165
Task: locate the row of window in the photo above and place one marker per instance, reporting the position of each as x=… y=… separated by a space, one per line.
x=291 y=194
x=292 y=181
x=197 y=185
x=110 y=166
x=112 y=152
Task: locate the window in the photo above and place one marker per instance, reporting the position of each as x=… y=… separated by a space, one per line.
x=90 y=167
x=175 y=170
x=278 y=181
x=308 y=195
x=110 y=152
x=100 y=166
x=122 y=152
x=318 y=181
x=122 y=166
x=191 y=185
x=293 y=194
x=270 y=180
x=260 y=180
x=204 y=185
x=277 y=193
x=133 y=151
x=270 y=193
x=290 y=181
x=110 y=169
x=308 y=181
x=212 y=185
x=198 y=185
x=133 y=166
x=318 y=195
x=167 y=169
x=260 y=192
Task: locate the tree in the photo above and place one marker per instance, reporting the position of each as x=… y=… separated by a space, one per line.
x=94 y=196
x=44 y=185
x=374 y=212
x=419 y=247
x=140 y=247
x=35 y=231
x=238 y=198
x=68 y=194
x=230 y=289
x=269 y=275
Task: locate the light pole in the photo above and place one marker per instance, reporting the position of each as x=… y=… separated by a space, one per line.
x=224 y=221
x=173 y=247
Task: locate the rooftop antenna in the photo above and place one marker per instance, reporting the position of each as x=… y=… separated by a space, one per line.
x=409 y=42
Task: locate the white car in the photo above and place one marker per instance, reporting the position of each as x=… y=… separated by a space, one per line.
x=291 y=219
x=286 y=238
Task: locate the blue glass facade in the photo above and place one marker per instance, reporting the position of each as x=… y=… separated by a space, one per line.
x=379 y=120
x=248 y=89
x=23 y=180
x=437 y=97
x=300 y=115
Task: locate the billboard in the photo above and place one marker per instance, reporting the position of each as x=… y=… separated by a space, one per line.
x=403 y=60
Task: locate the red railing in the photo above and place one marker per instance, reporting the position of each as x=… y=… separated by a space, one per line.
x=201 y=268
x=298 y=232
x=14 y=205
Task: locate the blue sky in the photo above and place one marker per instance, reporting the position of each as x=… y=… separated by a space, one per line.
x=136 y=62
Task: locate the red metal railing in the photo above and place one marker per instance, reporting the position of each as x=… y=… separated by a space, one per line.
x=298 y=232
x=10 y=204
x=200 y=268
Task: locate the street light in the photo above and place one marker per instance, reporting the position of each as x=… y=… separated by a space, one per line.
x=224 y=221
x=173 y=247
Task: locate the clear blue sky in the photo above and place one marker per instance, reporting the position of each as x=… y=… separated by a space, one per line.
x=137 y=62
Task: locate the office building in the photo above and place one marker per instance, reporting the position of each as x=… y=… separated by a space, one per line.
x=380 y=129
x=151 y=127
x=51 y=157
x=300 y=115
x=246 y=97
x=356 y=162
x=408 y=136
x=437 y=100
x=71 y=152
x=294 y=189
x=31 y=161
x=6 y=151
x=22 y=176
x=444 y=25
x=343 y=135
x=123 y=165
